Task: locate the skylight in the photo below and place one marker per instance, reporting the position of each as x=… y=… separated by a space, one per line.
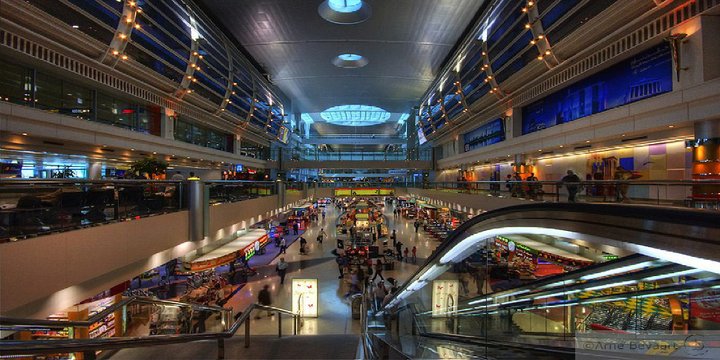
x=350 y=57
x=345 y=6
x=349 y=61
x=355 y=115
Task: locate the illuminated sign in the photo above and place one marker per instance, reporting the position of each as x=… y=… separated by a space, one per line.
x=445 y=297
x=305 y=297
x=363 y=192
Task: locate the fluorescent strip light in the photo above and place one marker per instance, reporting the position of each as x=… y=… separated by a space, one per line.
x=603 y=300
x=555 y=306
x=677 y=273
x=514 y=301
x=682 y=259
x=559 y=283
x=480 y=300
x=619 y=270
x=669 y=293
x=513 y=293
x=556 y=294
x=610 y=285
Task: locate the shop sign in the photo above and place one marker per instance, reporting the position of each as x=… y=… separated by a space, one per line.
x=305 y=297
x=445 y=297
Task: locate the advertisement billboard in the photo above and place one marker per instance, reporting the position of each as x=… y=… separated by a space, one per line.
x=645 y=75
x=490 y=133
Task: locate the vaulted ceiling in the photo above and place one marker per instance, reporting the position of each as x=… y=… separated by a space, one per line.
x=404 y=41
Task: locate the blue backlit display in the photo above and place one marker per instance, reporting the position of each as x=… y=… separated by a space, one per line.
x=642 y=76
x=488 y=134
x=345 y=6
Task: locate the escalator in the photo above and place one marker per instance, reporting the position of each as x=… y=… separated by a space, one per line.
x=563 y=281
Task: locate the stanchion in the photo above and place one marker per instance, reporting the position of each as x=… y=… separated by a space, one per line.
x=221 y=349
x=247 y=332
x=279 y=324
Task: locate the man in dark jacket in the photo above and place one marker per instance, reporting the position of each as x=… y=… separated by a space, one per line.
x=572 y=184
x=264 y=299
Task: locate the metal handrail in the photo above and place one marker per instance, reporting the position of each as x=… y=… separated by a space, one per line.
x=102 y=314
x=89 y=346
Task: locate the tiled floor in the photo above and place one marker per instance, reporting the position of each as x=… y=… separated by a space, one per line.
x=334 y=311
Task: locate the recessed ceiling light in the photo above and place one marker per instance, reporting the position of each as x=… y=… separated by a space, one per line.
x=24 y=134
x=671 y=126
x=587 y=141
x=154 y=152
x=132 y=149
x=75 y=26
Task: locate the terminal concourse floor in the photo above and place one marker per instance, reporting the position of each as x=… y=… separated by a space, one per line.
x=334 y=310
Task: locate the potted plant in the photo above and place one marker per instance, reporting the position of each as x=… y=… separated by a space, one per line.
x=148 y=167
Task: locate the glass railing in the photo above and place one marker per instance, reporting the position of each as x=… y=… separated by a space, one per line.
x=685 y=193
x=317 y=155
x=519 y=277
x=34 y=207
x=134 y=322
x=226 y=191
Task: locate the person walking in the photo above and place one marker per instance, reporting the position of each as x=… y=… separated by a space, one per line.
x=533 y=186
x=303 y=243
x=323 y=215
x=394 y=237
x=379 y=294
x=281 y=269
x=296 y=227
x=572 y=185
x=178 y=176
x=378 y=270
x=398 y=249
x=622 y=187
x=414 y=254
x=264 y=299
x=321 y=236
x=342 y=262
x=283 y=245
x=407 y=250
x=417 y=225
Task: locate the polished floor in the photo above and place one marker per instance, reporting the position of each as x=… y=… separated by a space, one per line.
x=332 y=335
x=334 y=310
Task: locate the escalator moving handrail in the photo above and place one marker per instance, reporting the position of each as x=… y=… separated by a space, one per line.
x=80 y=345
x=675 y=216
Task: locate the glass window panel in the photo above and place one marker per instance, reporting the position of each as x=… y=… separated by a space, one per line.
x=117 y=112
x=91 y=27
x=59 y=96
x=144 y=57
x=522 y=43
x=108 y=16
x=561 y=8
x=587 y=12
x=508 y=38
x=171 y=17
x=142 y=39
x=510 y=14
x=15 y=84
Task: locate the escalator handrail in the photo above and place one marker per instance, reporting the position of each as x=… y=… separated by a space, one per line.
x=676 y=216
x=101 y=315
x=14 y=347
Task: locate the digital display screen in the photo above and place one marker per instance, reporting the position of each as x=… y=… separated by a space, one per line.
x=645 y=75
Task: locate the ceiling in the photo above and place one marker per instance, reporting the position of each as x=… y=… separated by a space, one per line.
x=405 y=42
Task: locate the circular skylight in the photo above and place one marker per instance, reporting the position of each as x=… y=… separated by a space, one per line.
x=345 y=11
x=355 y=115
x=345 y=6
x=350 y=61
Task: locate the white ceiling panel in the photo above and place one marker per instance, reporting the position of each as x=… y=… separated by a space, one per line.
x=405 y=42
